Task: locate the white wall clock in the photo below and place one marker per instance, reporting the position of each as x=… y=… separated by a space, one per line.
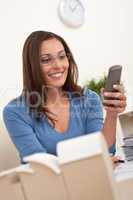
x=72 y=12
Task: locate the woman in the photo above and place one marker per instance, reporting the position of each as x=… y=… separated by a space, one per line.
x=52 y=106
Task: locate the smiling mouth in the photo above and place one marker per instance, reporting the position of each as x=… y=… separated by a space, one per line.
x=56 y=75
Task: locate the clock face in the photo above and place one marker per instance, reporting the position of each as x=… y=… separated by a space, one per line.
x=72 y=12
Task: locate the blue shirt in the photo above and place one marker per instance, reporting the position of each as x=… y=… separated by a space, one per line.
x=32 y=136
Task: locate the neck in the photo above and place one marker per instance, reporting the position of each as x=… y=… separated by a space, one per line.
x=54 y=95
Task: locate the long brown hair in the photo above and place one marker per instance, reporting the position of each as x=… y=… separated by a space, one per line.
x=32 y=76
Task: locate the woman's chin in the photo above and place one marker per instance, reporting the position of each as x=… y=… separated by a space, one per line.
x=56 y=84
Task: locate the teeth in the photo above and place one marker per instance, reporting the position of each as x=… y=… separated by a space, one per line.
x=56 y=74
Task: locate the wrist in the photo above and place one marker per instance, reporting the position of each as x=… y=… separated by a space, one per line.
x=111 y=114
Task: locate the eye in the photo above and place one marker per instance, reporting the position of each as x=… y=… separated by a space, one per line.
x=45 y=60
x=63 y=56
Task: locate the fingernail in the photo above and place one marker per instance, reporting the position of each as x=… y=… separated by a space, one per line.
x=115 y=86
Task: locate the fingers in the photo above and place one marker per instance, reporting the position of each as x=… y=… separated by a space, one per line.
x=113 y=109
x=114 y=95
x=114 y=101
x=120 y=88
x=115 y=160
x=117 y=106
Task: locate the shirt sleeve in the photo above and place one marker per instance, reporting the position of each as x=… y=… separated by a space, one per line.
x=22 y=132
x=94 y=112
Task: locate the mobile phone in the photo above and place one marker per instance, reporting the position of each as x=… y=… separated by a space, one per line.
x=113 y=78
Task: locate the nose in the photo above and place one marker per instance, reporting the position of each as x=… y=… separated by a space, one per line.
x=56 y=63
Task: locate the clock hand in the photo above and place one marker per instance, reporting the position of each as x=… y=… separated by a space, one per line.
x=73 y=5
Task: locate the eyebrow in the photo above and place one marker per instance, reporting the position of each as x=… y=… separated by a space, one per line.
x=48 y=54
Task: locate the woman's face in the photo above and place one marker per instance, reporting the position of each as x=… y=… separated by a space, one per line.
x=54 y=63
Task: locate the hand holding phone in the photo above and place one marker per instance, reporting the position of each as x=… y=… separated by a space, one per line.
x=114 y=100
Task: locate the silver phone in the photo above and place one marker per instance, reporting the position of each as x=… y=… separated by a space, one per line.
x=113 y=78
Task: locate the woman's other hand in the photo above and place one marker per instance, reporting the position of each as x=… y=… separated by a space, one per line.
x=116 y=160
